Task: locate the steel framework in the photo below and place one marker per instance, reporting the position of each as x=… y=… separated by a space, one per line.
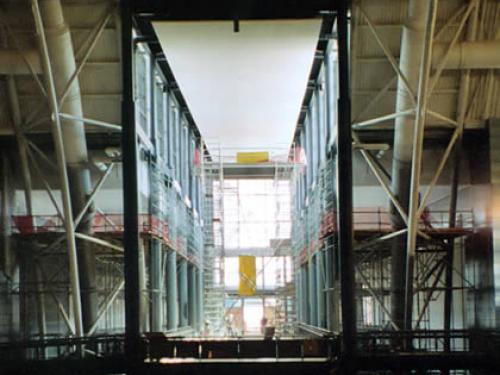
x=417 y=88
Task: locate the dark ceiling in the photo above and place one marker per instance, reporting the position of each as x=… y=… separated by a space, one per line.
x=231 y=9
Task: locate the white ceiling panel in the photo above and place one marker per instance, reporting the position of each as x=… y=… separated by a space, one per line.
x=244 y=89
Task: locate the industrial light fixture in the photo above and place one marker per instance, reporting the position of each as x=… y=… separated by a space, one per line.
x=236 y=18
x=236 y=23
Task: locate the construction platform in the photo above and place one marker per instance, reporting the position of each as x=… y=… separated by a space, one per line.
x=106 y=226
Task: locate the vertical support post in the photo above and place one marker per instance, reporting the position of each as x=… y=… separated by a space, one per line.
x=304 y=294
x=298 y=297
x=320 y=287
x=418 y=142
x=62 y=172
x=183 y=293
x=412 y=41
x=172 y=304
x=313 y=305
x=197 y=306
x=344 y=193
x=60 y=50
x=23 y=158
x=450 y=248
x=462 y=103
x=130 y=190
x=329 y=267
x=156 y=286
x=192 y=295
x=23 y=298
x=201 y=314
x=144 y=318
x=40 y=300
x=21 y=141
x=328 y=285
x=6 y=209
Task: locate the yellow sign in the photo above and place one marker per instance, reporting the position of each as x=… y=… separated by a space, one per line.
x=252 y=157
x=248 y=275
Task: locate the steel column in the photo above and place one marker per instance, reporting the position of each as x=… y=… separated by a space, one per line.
x=192 y=294
x=197 y=307
x=311 y=284
x=298 y=297
x=40 y=300
x=172 y=304
x=320 y=289
x=156 y=287
x=418 y=142
x=144 y=303
x=62 y=173
x=329 y=309
x=183 y=293
x=304 y=294
x=411 y=51
x=344 y=193
x=6 y=211
x=130 y=188
x=60 y=51
x=21 y=141
x=462 y=103
x=201 y=292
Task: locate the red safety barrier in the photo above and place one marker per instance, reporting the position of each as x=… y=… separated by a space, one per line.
x=379 y=220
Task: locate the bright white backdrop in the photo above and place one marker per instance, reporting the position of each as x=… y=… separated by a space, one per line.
x=244 y=89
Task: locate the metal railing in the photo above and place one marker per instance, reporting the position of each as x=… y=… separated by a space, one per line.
x=379 y=219
x=112 y=223
x=429 y=341
x=157 y=346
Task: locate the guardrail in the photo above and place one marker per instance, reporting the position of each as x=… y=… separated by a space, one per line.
x=379 y=219
x=429 y=341
x=108 y=223
x=159 y=346
x=101 y=223
x=70 y=347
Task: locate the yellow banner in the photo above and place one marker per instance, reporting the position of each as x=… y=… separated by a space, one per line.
x=248 y=275
x=252 y=157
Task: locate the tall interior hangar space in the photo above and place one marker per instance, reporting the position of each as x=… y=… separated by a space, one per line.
x=250 y=187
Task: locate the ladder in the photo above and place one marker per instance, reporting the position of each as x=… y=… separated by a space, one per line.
x=284 y=313
x=213 y=260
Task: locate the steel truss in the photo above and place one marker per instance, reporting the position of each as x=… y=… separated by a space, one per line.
x=47 y=248
x=429 y=268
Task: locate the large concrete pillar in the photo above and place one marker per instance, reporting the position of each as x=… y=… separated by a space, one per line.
x=173 y=303
x=412 y=42
x=183 y=293
x=156 y=287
